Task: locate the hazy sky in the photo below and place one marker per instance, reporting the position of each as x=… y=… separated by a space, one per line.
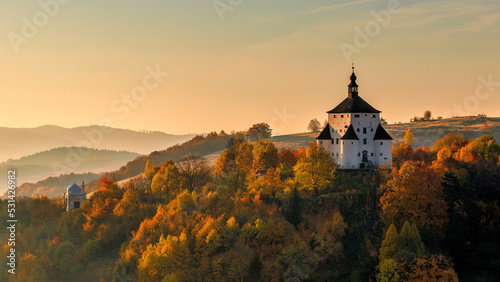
x=233 y=63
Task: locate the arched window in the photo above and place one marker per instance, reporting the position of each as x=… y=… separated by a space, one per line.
x=364 y=130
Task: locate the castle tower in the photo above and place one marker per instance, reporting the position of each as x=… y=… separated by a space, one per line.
x=354 y=136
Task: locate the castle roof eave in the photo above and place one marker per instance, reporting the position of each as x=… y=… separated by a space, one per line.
x=355 y=104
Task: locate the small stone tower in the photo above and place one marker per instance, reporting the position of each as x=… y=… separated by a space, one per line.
x=74 y=197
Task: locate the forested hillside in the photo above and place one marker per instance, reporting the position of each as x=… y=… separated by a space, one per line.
x=264 y=214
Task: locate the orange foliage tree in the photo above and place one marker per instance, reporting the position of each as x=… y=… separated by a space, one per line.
x=414 y=193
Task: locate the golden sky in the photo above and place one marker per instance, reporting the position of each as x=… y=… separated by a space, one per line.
x=233 y=63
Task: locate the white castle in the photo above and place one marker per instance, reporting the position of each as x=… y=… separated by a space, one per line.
x=353 y=136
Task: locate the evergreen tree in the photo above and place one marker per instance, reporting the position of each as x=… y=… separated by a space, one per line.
x=409 y=239
x=293 y=208
x=389 y=244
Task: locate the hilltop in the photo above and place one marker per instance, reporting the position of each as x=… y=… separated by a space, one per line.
x=19 y=142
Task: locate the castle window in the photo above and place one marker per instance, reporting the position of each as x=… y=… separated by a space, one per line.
x=359 y=154
x=371 y=154
x=332 y=141
x=332 y=154
x=356 y=116
x=352 y=143
x=347 y=115
x=334 y=116
x=337 y=141
x=374 y=116
x=345 y=126
x=357 y=130
x=364 y=141
x=381 y=154
x=364 y=130
x=381 y=143
x=320 y=142
x=337 y=154
x=340 y=130
x=341 y=116
x=371 y=129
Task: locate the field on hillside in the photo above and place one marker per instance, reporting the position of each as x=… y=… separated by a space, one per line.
x=427 y=132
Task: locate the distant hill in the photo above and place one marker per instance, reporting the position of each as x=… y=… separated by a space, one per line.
x=199 y=145
x=18 y=142
x=53 y=186
x=64 y=160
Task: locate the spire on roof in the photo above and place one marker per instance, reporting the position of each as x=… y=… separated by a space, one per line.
x=352 y=88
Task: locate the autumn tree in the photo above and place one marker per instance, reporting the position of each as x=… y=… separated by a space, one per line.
x=414 y=193
x=234 y=164
x=166 y=183
x=314 y=169
x=194 y=171
x=328 y=239
x=151 y=169
x=30 y=269
x=409 y=138
x=314 y=125
x=265 y=156
x=259 y=131
x=427 y=115
x=287 y=160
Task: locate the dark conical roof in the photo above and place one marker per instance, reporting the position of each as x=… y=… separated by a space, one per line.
x=355 y=104
x=381 y=134
x=350 y=134
x=326 y=133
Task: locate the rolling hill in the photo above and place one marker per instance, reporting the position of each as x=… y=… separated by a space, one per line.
x=19 y=142
x=64 y=160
